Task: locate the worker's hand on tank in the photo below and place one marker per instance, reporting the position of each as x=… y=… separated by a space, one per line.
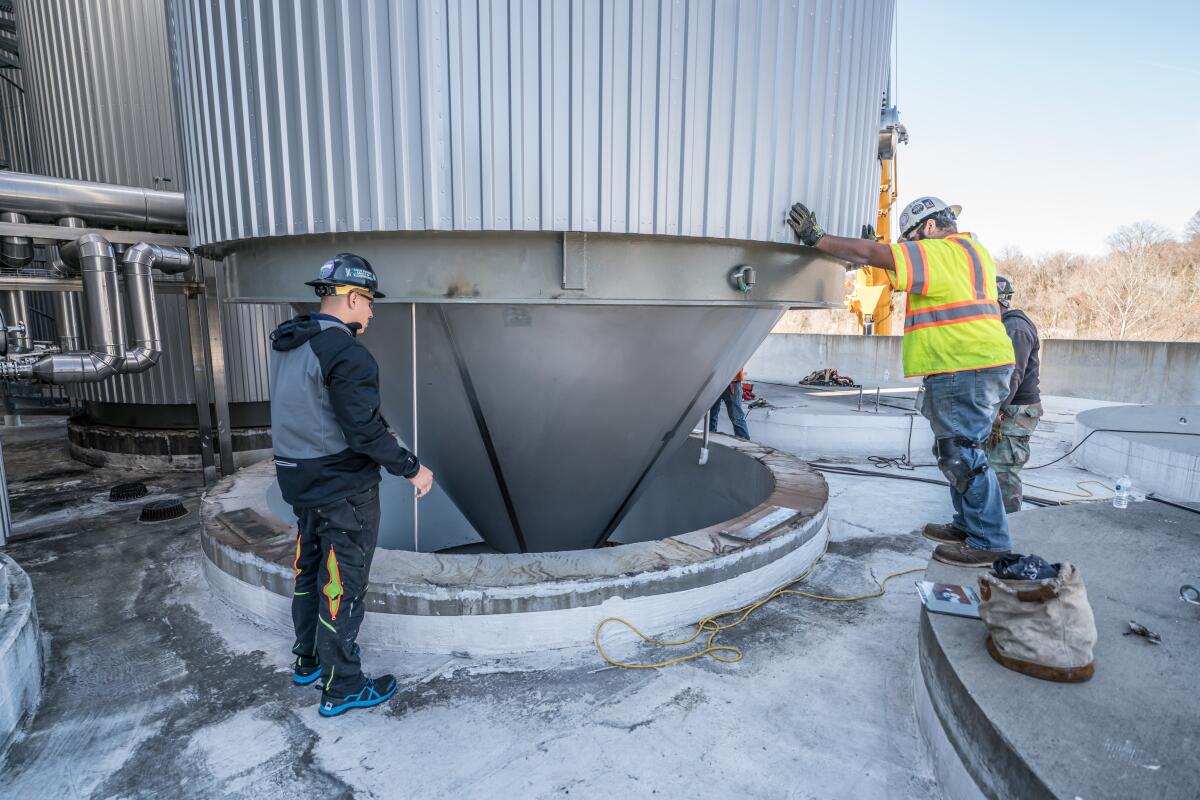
x=804 y=223
x=423 y=481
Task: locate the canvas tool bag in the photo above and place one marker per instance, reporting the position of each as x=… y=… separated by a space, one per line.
x=1042 y=628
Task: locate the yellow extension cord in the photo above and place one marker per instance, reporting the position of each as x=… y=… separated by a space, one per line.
x=713 y=626
x=1086 y=493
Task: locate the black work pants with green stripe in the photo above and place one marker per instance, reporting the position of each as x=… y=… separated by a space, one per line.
x=334 y=548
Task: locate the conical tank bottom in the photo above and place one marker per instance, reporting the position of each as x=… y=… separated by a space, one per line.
x=544 y=423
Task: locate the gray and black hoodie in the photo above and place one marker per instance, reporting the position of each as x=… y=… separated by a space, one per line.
x=1023 y=385
x=328 y=436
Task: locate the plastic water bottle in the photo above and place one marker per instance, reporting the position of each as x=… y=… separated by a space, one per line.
x=1121 y=493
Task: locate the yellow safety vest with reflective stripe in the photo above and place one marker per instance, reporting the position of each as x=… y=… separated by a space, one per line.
x=953 y=319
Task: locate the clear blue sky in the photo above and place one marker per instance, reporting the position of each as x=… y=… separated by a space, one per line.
x=1052 y=123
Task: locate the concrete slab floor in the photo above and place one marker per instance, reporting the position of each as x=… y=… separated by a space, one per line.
x=155 y=688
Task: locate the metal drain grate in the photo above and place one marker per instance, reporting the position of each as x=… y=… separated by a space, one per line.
x=127 y=491
x=162 y=510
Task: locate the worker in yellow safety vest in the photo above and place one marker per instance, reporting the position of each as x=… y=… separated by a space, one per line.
x=954 y=340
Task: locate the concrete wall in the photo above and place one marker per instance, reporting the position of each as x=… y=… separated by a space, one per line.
x=1122 y=372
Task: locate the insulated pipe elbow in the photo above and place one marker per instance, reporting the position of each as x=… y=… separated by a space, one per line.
x=57 y=265
x=138 y=265
x=164 y=258
x=93 y=256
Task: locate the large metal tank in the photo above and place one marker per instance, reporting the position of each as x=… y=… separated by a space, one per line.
x=557 y=197
x=101 y=108
x=15 y=151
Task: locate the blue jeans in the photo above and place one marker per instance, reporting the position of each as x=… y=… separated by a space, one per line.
x=963 y=404
x=732 y=398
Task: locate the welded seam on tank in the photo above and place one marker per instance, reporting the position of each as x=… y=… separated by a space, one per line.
x=481 y=424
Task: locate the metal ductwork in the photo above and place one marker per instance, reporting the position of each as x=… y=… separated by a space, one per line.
x=46 y=199
x=15 y=251
x=138 y=264
x=93 y=256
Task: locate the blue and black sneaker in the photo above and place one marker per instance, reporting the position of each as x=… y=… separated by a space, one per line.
x=374 y=691
x=306 y=672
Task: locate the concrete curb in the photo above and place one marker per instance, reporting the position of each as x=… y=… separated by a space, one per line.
x=948 y=767
x=494 y=604
x=20 y=650
x=967 y=736
x=1127 y=732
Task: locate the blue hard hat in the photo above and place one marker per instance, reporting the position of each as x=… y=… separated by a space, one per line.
x=346 y=269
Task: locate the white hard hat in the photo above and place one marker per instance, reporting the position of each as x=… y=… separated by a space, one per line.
x=922 y=209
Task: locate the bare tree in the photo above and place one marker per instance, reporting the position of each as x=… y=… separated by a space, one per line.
x=1129 y=291
x=1191 y=231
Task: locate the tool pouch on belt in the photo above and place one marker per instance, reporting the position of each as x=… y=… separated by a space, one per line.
x=1042 y=628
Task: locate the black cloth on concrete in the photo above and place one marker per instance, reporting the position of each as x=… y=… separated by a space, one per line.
x=334 y=550
x=1023 y=386
x=1015 y=566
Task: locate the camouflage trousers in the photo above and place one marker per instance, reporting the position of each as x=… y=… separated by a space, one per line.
x=1008 y=450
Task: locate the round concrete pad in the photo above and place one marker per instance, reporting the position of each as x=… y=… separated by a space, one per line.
x=1164 y=463
x=20 y=647
x=486 y=603
x=1131 y=731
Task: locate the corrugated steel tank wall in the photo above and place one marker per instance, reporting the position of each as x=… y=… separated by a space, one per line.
x=99 y=88
x=15 y=150
x=557 y=115
x=102 y=109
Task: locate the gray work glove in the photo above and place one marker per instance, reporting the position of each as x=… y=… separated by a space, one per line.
x=804 y=223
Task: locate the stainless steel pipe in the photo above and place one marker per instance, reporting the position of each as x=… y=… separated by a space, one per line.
x=138 y=264
x=16 y=311
x=42 y=198
x=104 y=313
x=57 y=266
x=67 y=316
x=15 y=251
x=93 y=256
x=69 y=321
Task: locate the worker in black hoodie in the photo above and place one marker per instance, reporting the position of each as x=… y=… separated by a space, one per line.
x=329 y=442
x=1008 y=446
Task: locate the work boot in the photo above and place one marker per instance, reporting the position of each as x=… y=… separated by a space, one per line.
x=944 y=534
x=963 y=555
x=305 y=671
x=374 y=691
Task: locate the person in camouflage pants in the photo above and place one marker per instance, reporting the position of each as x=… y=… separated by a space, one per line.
x=1008 y=446
x=1008 y=449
